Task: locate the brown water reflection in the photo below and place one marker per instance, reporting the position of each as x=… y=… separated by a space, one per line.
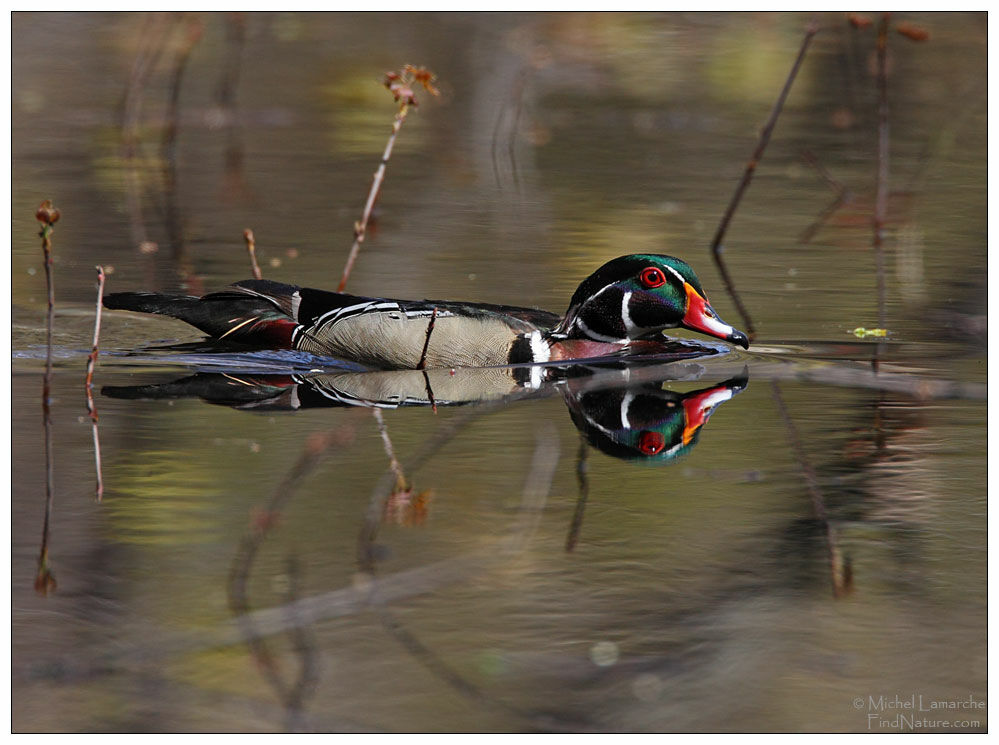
x=699 y=595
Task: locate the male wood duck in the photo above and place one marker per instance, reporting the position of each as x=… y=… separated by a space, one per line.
x=621 y=308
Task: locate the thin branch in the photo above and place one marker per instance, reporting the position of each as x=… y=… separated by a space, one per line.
x=91 y=361
x=47 y=215
x=747 y=176
x=400 y=86
x=361 y=227
x=426 y=342
x=251 y=248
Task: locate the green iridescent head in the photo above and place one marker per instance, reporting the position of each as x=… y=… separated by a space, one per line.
x=637 y=297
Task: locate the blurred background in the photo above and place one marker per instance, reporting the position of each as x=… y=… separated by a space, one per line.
x=698 y=596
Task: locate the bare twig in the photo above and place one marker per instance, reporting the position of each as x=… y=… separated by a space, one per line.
x=747 y=176
x=91 y=361
x=399 y=84
x=251 y=248
x=840 y=570
x=47 y=215
x=94 y=349
x=426 y=342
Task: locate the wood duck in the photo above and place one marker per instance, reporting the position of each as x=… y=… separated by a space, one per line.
x=621 y=308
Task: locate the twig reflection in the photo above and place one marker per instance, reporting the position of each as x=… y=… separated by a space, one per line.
x=47 y=215
x=291 y=695
x=840 y=569
x=582 y=478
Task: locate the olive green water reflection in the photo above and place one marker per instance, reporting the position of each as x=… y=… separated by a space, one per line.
x=699 y=594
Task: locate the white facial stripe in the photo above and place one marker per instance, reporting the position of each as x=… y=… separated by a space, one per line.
x=675 y=273
x=625 y=405
x=629 y=326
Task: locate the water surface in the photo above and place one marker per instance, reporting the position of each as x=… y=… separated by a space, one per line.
x=820 y=542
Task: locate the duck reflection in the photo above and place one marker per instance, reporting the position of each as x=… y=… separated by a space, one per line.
x=645 y=421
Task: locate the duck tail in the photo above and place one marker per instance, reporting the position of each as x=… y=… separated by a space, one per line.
x=230 y=315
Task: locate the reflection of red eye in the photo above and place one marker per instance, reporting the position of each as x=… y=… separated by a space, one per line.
x=652 y=277
x=651 y=443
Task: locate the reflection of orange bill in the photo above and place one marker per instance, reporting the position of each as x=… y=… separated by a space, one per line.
x=697 y=409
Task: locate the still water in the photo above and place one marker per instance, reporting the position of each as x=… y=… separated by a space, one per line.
x=812 y=557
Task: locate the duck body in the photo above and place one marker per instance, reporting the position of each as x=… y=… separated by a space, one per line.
x=623 y=307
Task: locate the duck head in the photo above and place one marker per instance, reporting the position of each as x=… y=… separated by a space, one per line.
x=637 y=297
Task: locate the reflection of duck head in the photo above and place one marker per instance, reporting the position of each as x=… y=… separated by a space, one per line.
x=647 y=422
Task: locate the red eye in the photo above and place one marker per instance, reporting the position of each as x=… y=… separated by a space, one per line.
x=652 y=277
x=651 y=443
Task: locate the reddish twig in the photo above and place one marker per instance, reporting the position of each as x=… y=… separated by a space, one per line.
x=426 y=342
x=400 y=85
x=91 y=361
x=48 y=216
x=251 y=248
x=94 y=351
x=747 y=176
